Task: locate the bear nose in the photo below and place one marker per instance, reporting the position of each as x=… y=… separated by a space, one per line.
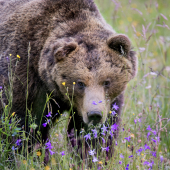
x=94 y=116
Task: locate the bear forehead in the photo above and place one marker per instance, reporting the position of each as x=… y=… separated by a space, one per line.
x=94 y=64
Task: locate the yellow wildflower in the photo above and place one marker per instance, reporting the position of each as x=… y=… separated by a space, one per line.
x=10 y=55
x=24 y=162
x=13 y=113
x=74 y=83
x=18 y=56
x=138 y=34
x=128 y=146
x=38 y=153
x=100 y=162
x=47 y=168
x=110 y=112
x=63 y=83
x=32 y=169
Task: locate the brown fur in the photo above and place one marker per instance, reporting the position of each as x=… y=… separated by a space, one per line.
x=70 y=42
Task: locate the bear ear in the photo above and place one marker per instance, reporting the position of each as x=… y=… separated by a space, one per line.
x=63 y=52
x=121 y=44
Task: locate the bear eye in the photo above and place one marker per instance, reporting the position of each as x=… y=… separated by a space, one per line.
x=106 y=84
x=81 y=85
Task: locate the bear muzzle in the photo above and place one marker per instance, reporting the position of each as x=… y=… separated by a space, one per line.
x=94 y=117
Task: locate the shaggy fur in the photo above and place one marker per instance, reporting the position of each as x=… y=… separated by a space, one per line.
x=70 y=42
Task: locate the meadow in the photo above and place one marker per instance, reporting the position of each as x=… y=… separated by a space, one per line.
x=144 y=137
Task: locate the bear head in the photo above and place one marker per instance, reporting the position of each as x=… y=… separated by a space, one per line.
x=99 y=61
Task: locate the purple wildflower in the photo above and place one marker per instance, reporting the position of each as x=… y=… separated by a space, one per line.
x=148 y=163
x=139 y=150
x=48 y=144
x=127 y=167
x=7 y=58
x=154 y=132
x=114 y=127
x=95 y=159
x=161 y=158
x=107 y=149
x=87 y=136
x=18 y=142
x=103 y=140
x=100 y=101
x=148 y=128
x=44 y=124
x=0 y=87
x=116 y=143
x=120 y=162
x=148 y=134
x=116 y=107
x=51 y=152
x=146 y=147
x=103 y=149
x=131 y=156
x=94 y=103
x=13 y=148
x=94 y=133
x=92 y=152
x=153 y=153
x=62 y=153
x=49 y=114
x=135 y=121
x=103 y=134
x=154 y=140
x=111 y=133
x=121 y=156
x=104 y=128
x=113 y=113
x=128 y=139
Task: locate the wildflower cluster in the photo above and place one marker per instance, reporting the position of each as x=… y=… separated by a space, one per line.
x=114 y=109
x=49 y=147
x=101 y=133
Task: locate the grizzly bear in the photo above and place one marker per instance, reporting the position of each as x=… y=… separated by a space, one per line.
x=62 y=41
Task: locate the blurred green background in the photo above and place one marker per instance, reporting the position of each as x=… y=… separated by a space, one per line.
x=147 y=24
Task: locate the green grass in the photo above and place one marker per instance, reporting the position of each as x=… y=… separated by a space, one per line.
x=147 y=97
